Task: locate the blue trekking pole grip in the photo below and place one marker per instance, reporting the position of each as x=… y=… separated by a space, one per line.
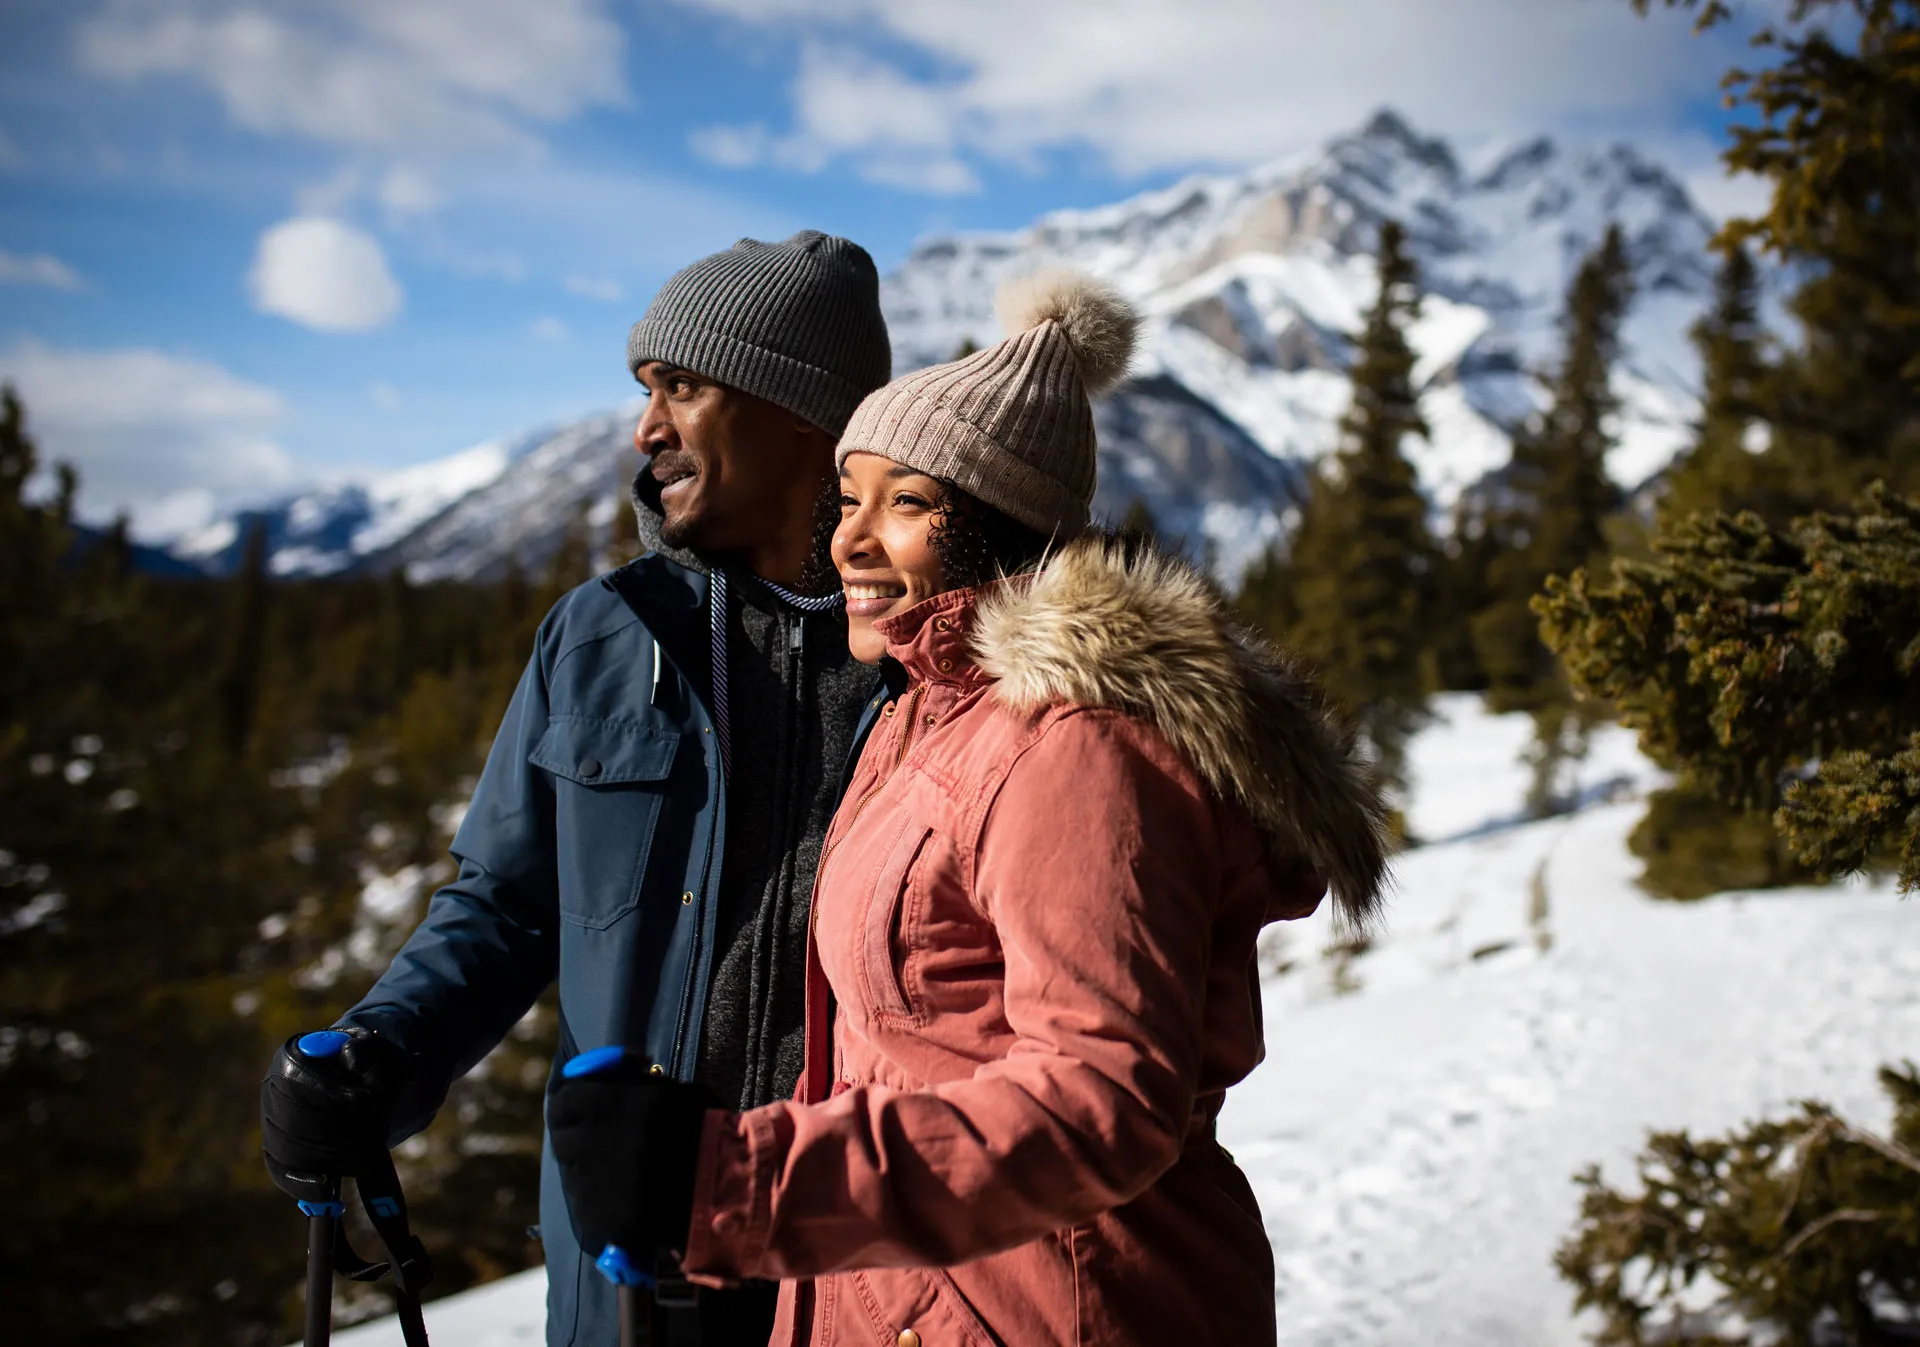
x=616 y=1265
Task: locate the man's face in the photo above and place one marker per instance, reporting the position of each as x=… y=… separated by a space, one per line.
x=728 y=463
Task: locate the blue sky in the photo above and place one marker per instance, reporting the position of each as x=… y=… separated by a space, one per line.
x=245 y=244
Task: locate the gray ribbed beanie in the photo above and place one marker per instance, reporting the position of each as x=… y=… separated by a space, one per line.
x=797 y=323
x=1012 y=425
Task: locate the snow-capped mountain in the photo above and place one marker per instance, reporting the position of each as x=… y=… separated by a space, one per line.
x=338 y=527
x=520 y=515
x=1250 y=284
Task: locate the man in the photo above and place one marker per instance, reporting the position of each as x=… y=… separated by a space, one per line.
x=648 y=823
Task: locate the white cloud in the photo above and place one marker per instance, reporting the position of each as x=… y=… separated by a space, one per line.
x=161 y=436
x=937 y=175
x=37 y=269
x=407 y=191
x=429 y=73
x=731 y=146
x=1156 y=84
x=549 y=328
x=324 y=274
x=384 y=395
x=603 y=288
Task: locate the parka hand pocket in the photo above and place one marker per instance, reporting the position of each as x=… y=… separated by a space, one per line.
x=890 y=935
x=609 y=779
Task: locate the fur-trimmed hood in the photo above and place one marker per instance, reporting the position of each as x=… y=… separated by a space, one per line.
x=1116 y=624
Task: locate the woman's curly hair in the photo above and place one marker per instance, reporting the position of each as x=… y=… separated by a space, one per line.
x=977 y=544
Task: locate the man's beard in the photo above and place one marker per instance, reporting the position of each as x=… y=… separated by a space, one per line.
x=818 y=574
x=678 y=532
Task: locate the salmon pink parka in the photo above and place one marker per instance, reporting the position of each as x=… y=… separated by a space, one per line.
x=1036 y=917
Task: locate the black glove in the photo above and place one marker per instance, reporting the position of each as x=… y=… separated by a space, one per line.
x=628 y=1143
x=325 y=1108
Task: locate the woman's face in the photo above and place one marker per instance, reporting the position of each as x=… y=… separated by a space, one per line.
x=883 y=548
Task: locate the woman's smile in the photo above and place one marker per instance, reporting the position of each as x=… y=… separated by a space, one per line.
x=871 y=598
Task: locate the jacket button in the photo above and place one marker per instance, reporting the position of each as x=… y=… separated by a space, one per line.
x=590 y=767
x=656 y=1070
x=686 y=899
x=941 y=624
x=909 y=1338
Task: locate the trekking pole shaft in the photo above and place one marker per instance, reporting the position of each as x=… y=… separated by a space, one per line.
x=319 y=1280
x=629 y=1297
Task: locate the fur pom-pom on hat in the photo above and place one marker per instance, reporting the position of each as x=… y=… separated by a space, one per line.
x=1097 y=322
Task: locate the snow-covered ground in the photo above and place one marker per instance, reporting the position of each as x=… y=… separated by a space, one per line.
x=1413 y=1132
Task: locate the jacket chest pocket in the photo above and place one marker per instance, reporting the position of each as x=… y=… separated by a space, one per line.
x=609 y=783
x=896 y=914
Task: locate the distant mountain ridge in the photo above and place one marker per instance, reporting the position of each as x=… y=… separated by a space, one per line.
x=1249 y=284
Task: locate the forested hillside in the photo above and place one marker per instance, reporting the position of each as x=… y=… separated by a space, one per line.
x=220 y=804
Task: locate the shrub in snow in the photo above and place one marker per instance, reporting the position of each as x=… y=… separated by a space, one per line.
x=1805 y=1230
x=1773 y=668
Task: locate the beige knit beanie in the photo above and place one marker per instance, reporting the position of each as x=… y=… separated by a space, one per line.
x=1012 y=425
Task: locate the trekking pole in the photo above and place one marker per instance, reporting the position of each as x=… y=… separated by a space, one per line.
x=323 y=1219
x=328 y=1252
x=627 y=1276
x=318 y=1197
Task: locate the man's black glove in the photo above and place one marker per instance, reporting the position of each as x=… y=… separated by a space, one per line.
x=628 y=1143
x=325 y=1107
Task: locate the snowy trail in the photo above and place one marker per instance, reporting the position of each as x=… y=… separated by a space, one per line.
x=1414 y=1130
x=1412 y=1143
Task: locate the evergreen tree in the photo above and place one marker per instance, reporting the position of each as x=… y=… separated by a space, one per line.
x=1722 y=470
x=623 y=538
x=1694 y=843
x=1558 y=494
x=240 y=679
x=1362 y=569
x=1749 y=656
x=1139 y=519
x=170 y=909
x=1464 y=589
x=1836 y=135
x=1557 y=499
x=1805 y=1230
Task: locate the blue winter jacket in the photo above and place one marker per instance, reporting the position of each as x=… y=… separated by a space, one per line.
x=591 y=852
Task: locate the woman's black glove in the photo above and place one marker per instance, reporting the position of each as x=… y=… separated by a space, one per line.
x=628 y=1143
x=326 y=1105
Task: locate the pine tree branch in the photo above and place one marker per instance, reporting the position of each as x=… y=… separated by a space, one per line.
x=1825 y=1223
x=1892 y=1150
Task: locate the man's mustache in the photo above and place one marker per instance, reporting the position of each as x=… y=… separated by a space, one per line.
x=670 y=465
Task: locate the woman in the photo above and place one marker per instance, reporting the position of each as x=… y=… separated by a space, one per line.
x=1036 y=915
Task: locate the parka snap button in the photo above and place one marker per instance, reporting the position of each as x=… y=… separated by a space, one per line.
x=686 y=899
x=656 y=1070
x=939 y=624
x=909 y=1338
x=946 y=666
x=590 y=767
